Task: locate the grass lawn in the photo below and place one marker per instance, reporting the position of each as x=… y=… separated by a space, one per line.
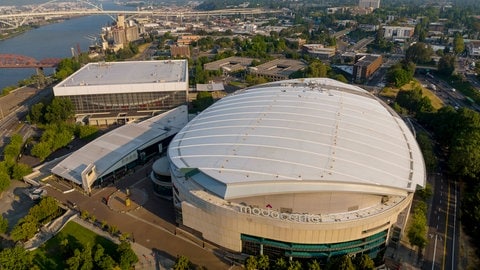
x=52 y=256
x=391 y=92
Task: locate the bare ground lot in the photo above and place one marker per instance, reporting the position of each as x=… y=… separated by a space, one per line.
x=14 y=203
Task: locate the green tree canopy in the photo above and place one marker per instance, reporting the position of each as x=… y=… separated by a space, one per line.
x=400 y=73
x=419 y=53
x=182 y=263
x=3 y=225
x=25 y=228
x=4 y=181
x=317 y=69
x=59 y=110
x=363 y=262
x=204 y=100
x=458 y=43
x=127 y=258
x=16 y=258
x=446 y=65
x=36 y=113
x=417 y=232
x=20 y=170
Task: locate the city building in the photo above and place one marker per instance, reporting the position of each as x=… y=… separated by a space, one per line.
x=112 y=155
x=187 y=39
x=304 y=168
x=180 y=51
x=368 y=27
x=473 y=48
x=369 y=4
x=229 y=65
x=278 y=69
x=120 y=92
x=118 y=36
x=319 y=51
x=365 y=66
x=399 y=33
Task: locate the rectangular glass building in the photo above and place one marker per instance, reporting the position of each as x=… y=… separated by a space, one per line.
x=118 y=92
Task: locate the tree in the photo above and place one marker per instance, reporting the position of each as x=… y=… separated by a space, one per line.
x=317 y=69
x=14 y=147
x=471 y=210
x=182 y=263
x=4 y=181
x=398 y=77
x=25 y=229
x=294 y=265
x=363 y=262
x=36 y=113
x=464 y=158
x=107 y=263
x=86 y=131
x=251 y=263
x=263 y=262
x=280 y=264
x=126 y=255
x=401 y=73
x=3 y=225
x=340 y=263
x=59 y=110
x=314 y=265
x=458 y=43
x=204 y=100
x=446 y=65
x=417 y=232
x=419 y=53
x=45 y=210
x=75 y=261
x=16 y=258
x=41 y=150
x=426 y=146
x=19 y=170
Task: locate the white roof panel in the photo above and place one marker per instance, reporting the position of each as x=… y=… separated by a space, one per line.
x=109 y=149
x=310 y=130
x=130 y=72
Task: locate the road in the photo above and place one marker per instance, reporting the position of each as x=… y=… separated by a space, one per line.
x=443 y=234
x=14 y=108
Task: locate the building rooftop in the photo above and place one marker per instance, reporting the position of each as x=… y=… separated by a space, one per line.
x=229 y=64
x=283 y=67
x=294 y=136
x=109 y=149
x=131 y=72
x=366 y=60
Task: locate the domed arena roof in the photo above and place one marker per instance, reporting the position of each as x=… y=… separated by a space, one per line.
x=302 y=135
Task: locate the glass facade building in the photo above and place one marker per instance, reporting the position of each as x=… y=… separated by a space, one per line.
x=126 y=102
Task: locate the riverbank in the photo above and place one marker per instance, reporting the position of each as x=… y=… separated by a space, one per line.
x=17 y=33
x=26 y=28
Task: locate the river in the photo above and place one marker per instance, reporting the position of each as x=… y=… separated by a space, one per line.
x=53 y=41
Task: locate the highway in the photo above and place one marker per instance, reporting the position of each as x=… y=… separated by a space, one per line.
x=441 y=251
x=14 y=108
x=442 y=248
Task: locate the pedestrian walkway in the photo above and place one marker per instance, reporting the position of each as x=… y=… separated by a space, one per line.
x=50 y=230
